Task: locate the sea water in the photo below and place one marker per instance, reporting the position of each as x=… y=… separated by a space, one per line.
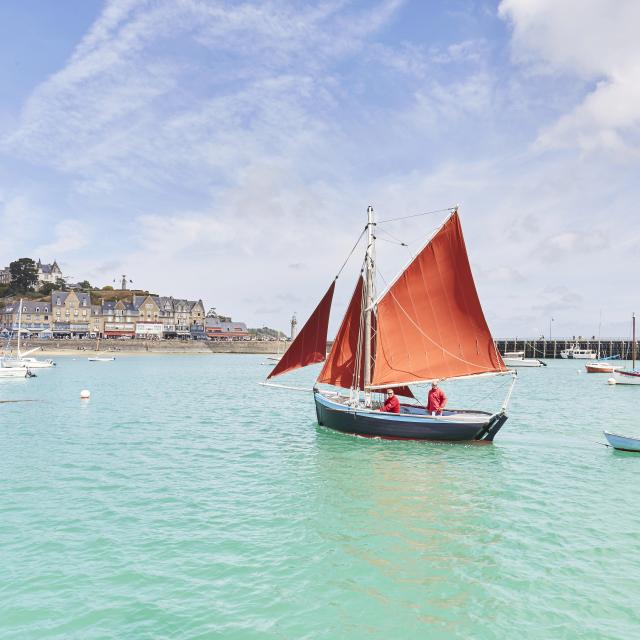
x=183 y=500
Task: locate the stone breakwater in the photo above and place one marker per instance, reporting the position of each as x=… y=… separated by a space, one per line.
x=142 y=347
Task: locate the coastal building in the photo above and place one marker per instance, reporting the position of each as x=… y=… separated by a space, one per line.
x=149 y=324
x=120 y=319
x=48 y=272
x=36 y=317
x=223 y=328
x=71 y=311
x=196 y=324
x=70 y=314
x=5 y=276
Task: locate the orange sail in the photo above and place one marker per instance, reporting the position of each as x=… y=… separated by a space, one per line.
x=340 y=367
x=310 y=345
x=430 y=322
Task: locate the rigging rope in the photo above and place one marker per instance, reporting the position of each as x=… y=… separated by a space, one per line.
x=344 y=264
x=416 y=215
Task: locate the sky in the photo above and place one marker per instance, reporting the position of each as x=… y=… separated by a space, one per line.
x=228 y=150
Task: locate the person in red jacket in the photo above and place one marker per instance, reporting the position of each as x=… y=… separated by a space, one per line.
x=437 y=400
x=391 y=404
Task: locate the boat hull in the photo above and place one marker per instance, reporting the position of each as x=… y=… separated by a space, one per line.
x=622 y=443
x=412 y=423
x=626 y=377
x=601 y=367
x=522 y=362
x=13 y=372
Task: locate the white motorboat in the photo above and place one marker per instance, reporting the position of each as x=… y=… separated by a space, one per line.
x=517 y=359
x=101 y=359
x=575 y=352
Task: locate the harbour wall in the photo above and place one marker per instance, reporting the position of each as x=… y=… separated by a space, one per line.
x=141 y=347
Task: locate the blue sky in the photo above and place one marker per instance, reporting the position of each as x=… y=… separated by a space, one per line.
x=228 y=150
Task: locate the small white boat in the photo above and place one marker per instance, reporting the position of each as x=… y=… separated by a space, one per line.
x=14 y=372
x=574 y=352
x=101 y=359
x=27 y=363
x=517 y=359
x=622 y=443
x=603 y=367
x=626 y=377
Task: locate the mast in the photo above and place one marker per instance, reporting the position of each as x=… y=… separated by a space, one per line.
x=19 y=326
x=633 y=344
x=369 y=284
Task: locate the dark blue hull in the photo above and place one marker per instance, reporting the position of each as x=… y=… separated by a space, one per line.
x=412 y=423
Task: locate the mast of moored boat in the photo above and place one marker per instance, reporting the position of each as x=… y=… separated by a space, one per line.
x=633 y=343
x=19 y=327
x=369 y=283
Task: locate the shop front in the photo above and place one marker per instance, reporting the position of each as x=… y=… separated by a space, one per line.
x=149 y=330
x=119 y=330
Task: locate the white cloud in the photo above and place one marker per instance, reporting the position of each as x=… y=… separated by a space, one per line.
x=69 y=235
x=596 y=41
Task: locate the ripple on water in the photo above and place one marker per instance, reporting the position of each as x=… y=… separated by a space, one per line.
x=185 y=501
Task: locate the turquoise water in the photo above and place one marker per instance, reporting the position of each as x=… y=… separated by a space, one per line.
x=185 y=501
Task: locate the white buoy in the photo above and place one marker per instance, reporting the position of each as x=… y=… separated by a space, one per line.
x=85 y=394
x=612 y=381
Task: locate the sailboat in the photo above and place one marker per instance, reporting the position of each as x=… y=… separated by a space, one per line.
x=24 y=360
x=427 y=325
x=633 y=376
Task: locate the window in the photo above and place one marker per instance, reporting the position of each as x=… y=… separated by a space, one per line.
x=84 y=312
x=46 y=317
x=57 y=313
x=37 y=309
x=58 y=301
x=24 y=309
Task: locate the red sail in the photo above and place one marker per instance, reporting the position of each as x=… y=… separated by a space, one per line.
x=430 y=322
x=310 y=345
x=340 y=366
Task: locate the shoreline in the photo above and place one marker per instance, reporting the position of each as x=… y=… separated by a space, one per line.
x=87 y=348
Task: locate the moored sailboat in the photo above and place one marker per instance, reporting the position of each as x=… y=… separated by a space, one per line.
x=427 y=325
x=629 y=377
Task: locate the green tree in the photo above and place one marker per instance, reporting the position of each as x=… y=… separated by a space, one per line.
x=24 y=275
x=46 y=288
x=107 y=288
x=61 y=284
x=85 y=285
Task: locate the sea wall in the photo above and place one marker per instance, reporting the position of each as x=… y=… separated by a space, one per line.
x=71 y=347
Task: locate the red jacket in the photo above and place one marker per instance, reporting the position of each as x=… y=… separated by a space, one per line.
x=437 y=400
x=391 y=405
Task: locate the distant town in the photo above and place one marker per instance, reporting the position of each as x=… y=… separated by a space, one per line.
x=53 y=308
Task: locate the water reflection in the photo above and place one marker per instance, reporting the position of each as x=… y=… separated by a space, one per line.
x=408 y=518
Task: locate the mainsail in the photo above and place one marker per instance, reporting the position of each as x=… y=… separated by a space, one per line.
x=430 y=323
x=310 y=345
